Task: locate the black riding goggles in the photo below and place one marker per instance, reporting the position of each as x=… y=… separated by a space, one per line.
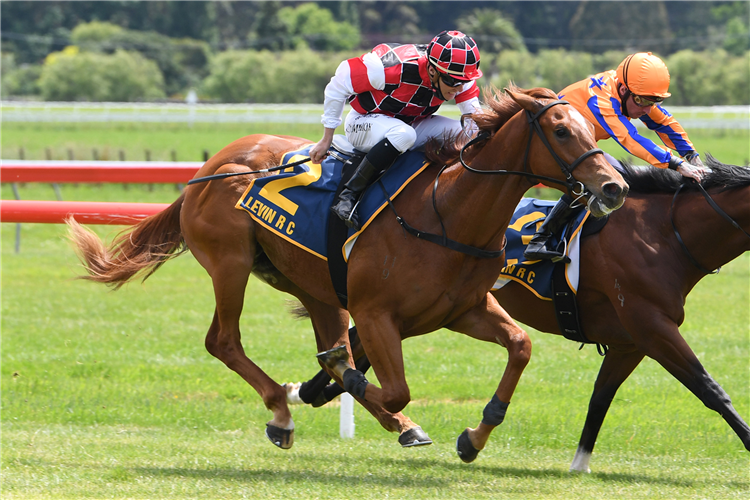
x=645 y=102
x=452 y=82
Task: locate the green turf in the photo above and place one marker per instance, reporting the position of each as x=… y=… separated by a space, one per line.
x=58 y=140
x=112 y=395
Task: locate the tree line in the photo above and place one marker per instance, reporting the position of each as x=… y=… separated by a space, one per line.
x=31 y=30
x=287 y=51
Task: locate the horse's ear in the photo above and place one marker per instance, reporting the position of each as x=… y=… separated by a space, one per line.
x=525 y=101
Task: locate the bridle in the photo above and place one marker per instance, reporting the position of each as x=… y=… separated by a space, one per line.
x=536 y=129
x=716 y=208
x=570 y=183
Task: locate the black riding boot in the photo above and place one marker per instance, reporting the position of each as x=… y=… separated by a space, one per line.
x=557 y=218
x=379 y=159
x=344 y=208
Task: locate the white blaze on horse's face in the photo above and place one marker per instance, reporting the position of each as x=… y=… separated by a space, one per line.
x=578 y=118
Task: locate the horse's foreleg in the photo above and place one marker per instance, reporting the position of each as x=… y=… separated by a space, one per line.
x=695 y=377
x=490 y=322
x=381 y=340
x=616 y=368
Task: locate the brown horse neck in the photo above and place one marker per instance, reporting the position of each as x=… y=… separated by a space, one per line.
x=711 y=240
x=471 y=203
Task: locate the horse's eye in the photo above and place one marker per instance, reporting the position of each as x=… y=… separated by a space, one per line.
x=561 y=132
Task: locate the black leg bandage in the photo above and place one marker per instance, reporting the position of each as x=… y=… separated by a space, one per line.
x=494 y=412
x=355 y=383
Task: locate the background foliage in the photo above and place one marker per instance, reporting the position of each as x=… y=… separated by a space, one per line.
x=287 y=51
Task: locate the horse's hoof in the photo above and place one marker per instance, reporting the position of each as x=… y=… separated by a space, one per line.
x=283 y=438
x=292 y=393
x=332 y=357
x=464 y=448
x=414 y=437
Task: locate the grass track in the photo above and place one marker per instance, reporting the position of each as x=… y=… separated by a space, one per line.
x=112 y=395
x=189 y=143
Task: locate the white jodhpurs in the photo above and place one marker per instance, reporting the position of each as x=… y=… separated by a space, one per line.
x=364 y=131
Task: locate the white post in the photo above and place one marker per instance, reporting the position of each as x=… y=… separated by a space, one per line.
x=346 y=414
x=346 y=425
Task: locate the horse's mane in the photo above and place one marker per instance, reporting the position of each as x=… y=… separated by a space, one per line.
x=500 y=108
x=650 y=179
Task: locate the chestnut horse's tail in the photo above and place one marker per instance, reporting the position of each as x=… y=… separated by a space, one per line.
x=139 y=250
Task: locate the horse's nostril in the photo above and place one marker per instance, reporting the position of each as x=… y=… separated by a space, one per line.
x=612 y=190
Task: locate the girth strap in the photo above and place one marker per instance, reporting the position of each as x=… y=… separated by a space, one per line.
x=566 y=310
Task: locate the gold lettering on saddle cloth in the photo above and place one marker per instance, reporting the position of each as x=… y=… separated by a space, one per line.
x=520 y=273
x=271 y=191
x=269 y=215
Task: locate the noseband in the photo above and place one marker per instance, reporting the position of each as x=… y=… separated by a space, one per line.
x=536 y=128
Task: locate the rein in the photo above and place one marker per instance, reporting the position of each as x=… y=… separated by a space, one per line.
x=570 y=183
x=533 y=120
x=716 y=208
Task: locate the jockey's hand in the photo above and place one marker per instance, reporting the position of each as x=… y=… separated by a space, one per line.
x=320 y=150
x=469 y=127
x=696 y=172
x=695 y=159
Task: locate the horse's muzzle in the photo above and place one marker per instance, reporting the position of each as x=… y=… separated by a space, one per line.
x=611 y=198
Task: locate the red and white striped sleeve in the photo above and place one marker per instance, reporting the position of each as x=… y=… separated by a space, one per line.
x=468 y=99
x=353 y=76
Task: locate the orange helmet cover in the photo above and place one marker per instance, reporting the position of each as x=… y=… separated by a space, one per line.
x=644 y=74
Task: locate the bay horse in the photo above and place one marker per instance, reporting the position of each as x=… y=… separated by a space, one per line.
x=637 y=313
x=426 y=287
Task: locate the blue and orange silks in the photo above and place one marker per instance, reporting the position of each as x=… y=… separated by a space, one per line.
x=598 y=100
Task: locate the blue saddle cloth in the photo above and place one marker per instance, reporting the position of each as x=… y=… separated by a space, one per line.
x=295 y=203
x=536 y=275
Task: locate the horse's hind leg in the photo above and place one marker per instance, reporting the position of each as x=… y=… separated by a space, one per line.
x=224 y=342
x=228 y=259
x=617 y=366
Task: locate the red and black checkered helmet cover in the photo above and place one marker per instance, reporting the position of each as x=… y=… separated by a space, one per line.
x=455 y=54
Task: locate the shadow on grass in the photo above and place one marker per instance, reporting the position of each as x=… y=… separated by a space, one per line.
x=410 y=472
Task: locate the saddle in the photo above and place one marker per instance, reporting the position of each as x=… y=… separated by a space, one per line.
x=294 y=204
x=547 y=280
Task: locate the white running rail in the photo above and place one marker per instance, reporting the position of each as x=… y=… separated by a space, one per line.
x=705 y=117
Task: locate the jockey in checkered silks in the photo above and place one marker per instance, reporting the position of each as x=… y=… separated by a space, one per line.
x=394 y=92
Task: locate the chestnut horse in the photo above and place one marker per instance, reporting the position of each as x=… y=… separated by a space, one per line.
x=427 y=286
x=636 y=313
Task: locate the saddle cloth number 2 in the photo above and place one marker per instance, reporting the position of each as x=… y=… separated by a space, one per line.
x=272 y=190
